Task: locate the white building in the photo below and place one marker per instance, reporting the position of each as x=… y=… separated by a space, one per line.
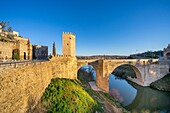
x=15 y=33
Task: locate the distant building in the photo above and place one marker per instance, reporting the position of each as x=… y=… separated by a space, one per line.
x=8 y=48
x=167 y=52
x=40 y=52
x=15 y=33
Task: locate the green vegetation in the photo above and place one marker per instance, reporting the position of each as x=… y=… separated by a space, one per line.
x=54 y=49
x=67 y=96
x=6 y=28
x=3 y=40
x=162 y=84
x=15 y=54
x=99 y=106
x=148 y=54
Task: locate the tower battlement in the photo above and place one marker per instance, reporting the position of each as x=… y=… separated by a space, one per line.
x=68 y=33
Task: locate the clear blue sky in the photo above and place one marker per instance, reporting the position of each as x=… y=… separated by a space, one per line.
x=117 y=27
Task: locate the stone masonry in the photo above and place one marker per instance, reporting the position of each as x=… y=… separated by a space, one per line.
x=22 y=87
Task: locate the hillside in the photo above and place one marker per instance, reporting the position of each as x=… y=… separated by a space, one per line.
x=66 y=96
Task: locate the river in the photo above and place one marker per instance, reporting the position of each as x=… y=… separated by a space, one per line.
x=135 y=98
x=139 y=99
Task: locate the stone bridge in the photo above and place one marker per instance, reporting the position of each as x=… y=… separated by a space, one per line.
x=147 y=70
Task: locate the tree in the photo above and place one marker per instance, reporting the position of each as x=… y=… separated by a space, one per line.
x=15 y=54
x=4 y=25
x=54 y=49
x=9 y=29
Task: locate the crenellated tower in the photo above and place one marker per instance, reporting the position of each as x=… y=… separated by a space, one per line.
x=69 y=44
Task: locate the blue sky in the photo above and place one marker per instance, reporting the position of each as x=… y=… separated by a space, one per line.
x=115 y=27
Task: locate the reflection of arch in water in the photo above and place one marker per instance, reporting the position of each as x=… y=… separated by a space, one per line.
x=137 y=99
x=149 y=99
x=86 y=70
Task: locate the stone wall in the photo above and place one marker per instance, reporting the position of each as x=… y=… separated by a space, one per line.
x=6 y=49
x=64 y=67
x=22 y=87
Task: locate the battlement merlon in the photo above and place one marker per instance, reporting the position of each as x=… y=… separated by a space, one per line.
x=68 y=33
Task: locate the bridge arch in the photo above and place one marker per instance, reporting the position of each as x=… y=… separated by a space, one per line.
x=135 y=69
x=138 y=79
x=87 y=72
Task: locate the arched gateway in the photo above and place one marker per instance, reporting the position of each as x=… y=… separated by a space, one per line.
x=147 y=71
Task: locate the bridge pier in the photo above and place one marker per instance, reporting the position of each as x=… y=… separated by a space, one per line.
x=102 y=78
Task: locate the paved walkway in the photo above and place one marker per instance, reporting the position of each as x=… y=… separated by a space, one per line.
x=93 y=86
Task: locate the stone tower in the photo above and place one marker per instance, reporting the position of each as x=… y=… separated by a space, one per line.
x=69 y=44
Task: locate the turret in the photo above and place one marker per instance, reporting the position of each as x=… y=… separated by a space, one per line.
x=69 y=44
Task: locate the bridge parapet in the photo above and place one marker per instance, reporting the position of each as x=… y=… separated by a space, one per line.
x=8 y=65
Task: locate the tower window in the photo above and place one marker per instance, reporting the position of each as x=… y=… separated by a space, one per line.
x=67 y=44
x=70 y=38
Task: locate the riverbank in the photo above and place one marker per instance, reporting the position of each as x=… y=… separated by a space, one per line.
x=104 y=100
x=162 y=84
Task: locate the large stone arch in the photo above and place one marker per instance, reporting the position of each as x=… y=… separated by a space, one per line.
x=139 y=78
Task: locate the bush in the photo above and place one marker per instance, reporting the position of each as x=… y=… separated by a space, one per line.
x=15 y=54
x=67 y=96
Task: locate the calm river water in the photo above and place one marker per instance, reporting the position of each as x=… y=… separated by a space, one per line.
x=139 y=99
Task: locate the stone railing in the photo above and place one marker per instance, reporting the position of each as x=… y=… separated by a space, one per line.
x=6 y=65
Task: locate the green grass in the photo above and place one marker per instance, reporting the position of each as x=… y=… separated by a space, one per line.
x=162 y=84
x=99 y=106
x=67 y=96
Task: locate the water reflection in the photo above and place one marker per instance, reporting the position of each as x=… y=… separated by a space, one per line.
x=126 y=92
x=139 y=99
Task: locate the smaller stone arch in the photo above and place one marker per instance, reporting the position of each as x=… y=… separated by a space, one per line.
x=81 y=63
x=92 y=71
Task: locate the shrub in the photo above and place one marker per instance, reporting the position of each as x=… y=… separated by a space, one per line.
x=67 y=96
